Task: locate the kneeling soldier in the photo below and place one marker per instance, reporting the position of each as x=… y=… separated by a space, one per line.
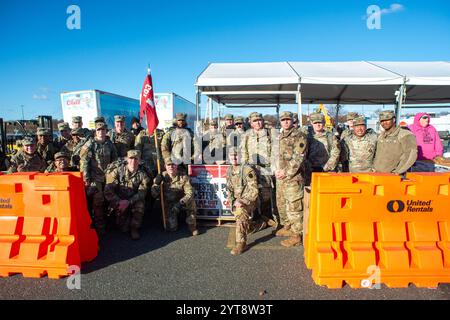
x=242 y=186
x=126 y=187
x=178 y=197
x=61 y=163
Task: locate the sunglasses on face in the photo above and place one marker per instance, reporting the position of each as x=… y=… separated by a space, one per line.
x=425 y=117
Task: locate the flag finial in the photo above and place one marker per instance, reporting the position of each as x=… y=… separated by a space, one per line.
x=148 y=68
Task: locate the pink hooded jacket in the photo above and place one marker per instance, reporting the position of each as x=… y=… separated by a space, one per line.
x=428 y=143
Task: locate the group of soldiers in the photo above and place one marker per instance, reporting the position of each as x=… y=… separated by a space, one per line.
x=268 y=167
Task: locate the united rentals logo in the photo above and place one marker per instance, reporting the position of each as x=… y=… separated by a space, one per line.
x=411 y=206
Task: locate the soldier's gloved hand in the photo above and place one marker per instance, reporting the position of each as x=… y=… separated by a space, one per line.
x=158 y=179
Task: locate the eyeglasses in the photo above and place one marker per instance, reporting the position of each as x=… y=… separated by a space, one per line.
x=425 y=117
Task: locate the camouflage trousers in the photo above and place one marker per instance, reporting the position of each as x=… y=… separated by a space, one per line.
x=290 y=204
x=96 y=201
x=172 y=215
x=132 y=217
x=243 y=222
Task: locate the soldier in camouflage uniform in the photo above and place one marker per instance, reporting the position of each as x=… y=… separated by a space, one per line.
x=27 y=159
x=73 y=147
x=123 y=139
x=396 y=147
x=255 y=148
x=323 y=148
x=125 y=190
x=235 y=137
x=242 y=187
x=45 y=147
x=177 y=144
x=61 y=163
x=95 y=155
x=213 y=145
x=290 y=156
x=65 y=137
x=351 y=116
x=78 y=123
x=358 y=148
x=146 y=145
x=178 y=197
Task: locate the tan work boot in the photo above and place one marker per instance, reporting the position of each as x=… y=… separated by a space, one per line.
x=135 y=234
x=284 y=232
x=292 y=241
x=270 y=222
x=239 y=248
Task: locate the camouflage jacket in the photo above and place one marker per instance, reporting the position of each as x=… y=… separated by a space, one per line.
x=121 y=184
x=291 y=153
x=23 y=162
x=396 y=151
x=235 y=137
x=242 y=185
x=73 y=149
x=47 y=152
x=61 y=142
x=95 y=157
x=323 y=151
x=122 y=141
x=213 y=147
x=146 y=144
x=256 y=147
x=359 y=151
x=177 y=144
x=175 y=189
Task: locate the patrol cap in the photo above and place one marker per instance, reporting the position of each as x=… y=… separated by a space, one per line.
x=119 y=118
x=238 y=120
x=316 y=117
x=359 y=121
x=386 y=115
x=134 y=154
x=169 y=162
x=100 y=125
x=99 y=119
x=286 y=115
x=43 y=132
x=77 y=132
x=76 y=119
x=61 y=155
x=213 y=123
x=180 y=116
x=255 y=116
x=63 y=126
x=229 y=116
x=28 y=141
x=352 y=116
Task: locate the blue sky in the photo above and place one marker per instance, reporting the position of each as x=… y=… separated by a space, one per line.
x=40 y=57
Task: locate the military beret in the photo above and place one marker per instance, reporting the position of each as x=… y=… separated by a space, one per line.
x=119 y=118
x=63 y=126
x=76 y=119
x=100 y=125
x=386 y=115
x=62 y=155
x=316 y=117
x=27 y=141
x=255 y=116
x=352 y=116
x=286 y=115
x=99 y=119
x=43 y=132
x=77 y=132
x=134 y=154
x=238 y=120
x=359 y=121
x=229 y=116
x=180 y=116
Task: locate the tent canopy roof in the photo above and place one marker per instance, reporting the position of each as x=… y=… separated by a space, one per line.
x=353 y=82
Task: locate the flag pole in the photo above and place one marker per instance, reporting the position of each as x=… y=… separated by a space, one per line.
x=158 y=164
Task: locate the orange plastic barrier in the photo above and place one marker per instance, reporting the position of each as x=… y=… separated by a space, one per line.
x=44 y=224
x=365 y=229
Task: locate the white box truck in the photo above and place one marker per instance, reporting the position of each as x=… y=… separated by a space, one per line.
x=169 y=104
x=94 y=103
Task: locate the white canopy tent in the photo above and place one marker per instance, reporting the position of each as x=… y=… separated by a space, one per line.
x=355 y=82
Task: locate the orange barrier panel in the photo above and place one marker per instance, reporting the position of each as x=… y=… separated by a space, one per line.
x=375 y=228
x=44 y=224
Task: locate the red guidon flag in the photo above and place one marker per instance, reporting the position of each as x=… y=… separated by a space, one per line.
x=148 y=105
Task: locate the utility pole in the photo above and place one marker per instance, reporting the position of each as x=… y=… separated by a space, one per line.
x=23 y=118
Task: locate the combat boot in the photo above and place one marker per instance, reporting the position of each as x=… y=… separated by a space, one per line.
x=193 y=230
x=284 y=232
x=239 y=248
x=270 y=222
x=292 y=241
x=135 y=234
